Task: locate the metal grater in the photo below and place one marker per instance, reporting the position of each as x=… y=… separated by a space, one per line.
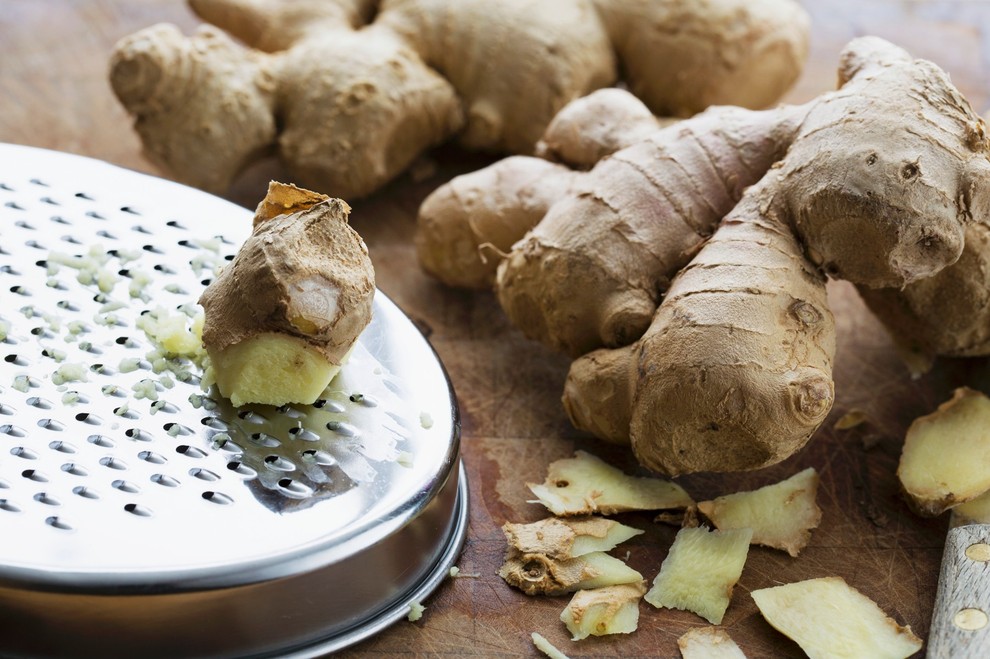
x=143 y=516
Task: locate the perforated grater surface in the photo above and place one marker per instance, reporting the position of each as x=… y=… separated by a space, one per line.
x=143 y=516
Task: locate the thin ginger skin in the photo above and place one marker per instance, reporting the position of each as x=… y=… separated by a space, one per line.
x=735 y=220
x=300 y=289
x=350 y=92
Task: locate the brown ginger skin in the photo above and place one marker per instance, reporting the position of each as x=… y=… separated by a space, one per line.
x=349 y=92
x=734 y=369
x=303 y=273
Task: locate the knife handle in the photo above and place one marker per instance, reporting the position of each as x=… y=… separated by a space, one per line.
x=961 y=620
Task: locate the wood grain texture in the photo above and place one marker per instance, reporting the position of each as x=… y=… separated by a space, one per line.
x=961 y=622
x=53 y=64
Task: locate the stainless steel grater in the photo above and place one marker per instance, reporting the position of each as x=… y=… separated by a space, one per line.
x=143 y=516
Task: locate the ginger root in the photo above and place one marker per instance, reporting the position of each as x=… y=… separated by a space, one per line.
x=686 y=270
x=350 y=92
x=282 y=316
x=708 y=643
x=945 y=453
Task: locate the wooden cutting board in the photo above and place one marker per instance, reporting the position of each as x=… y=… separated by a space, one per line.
x=53 y=60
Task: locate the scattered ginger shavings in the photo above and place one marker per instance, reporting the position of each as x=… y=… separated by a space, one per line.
x=536 y=574
x=546 y=647
x=603 y=611
x=780 y=515
x=585 y=484
x=828 y=618
x=943 y=461
x=567 y=538
x=415 y=611
x=708 y=643
x=700 y=571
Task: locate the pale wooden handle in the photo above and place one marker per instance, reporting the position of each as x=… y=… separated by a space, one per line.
x=961 y=621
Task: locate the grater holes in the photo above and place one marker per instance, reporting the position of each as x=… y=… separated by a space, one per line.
x=304 y=434
x=24 y=453
x=9 y=506
x=222 y=442
x=58 y=523
x=278 y=463
x=13 y=205
x=217 y=497
x=5 y=186
x=137 y=228
x=242 y=469
x=329 y=405
x=34 y=475
x=20 y=290
x=68 y=305
x=6 y=409
x=264 y=439
x=214 y=422
x=164 y=480
x=103 y=233
x=151 y=248
x=291 y=412
x=138 y=435
x=51 y=424
x=72 y=240
x=293 y=488
x=101 y=441
x=125 y=486
x=138 y=510
x=111 y=462
x=125 y=412
x=190 y=451
x=164 y=269
x=251 y=417
x=9 y=270
x=46 y=499
x=129 y=210
x=343 y=428
x=23 y=224
x=34 y=244
x=16 y=360
x=12 y=430
x=89 y=419
x=85 y=492
x=61 y=447
x=39 y=182
x=363 y=399
x=204 y=474
x=175 y=224
x=95 y=215
x=49 y=201
x=152 y=457
x=73 y=469
x=176 y=429
x=4 y=484
x=321 y=458
x=83 y=195
x=58 y=219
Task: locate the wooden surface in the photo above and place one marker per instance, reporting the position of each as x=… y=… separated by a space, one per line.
x=53 y=60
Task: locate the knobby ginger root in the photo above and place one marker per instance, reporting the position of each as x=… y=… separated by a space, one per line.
x=700 y=571
x=828 y=618
x=567 y=538
x=603 y=611
x=687 y=269
x=585 y=484
x=282 y=316
x=945 y=453
x=708 y=643
x=351 y=92
x=779 y=515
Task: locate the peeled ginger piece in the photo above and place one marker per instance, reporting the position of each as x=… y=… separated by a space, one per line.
x=780 y=515
x=828 y=618
x=585 y=484
x=603 y=611
x=708 y=643
x=700 y=571
x=945 y=458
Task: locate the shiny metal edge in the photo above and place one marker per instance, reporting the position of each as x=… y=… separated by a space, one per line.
x=399 y=608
